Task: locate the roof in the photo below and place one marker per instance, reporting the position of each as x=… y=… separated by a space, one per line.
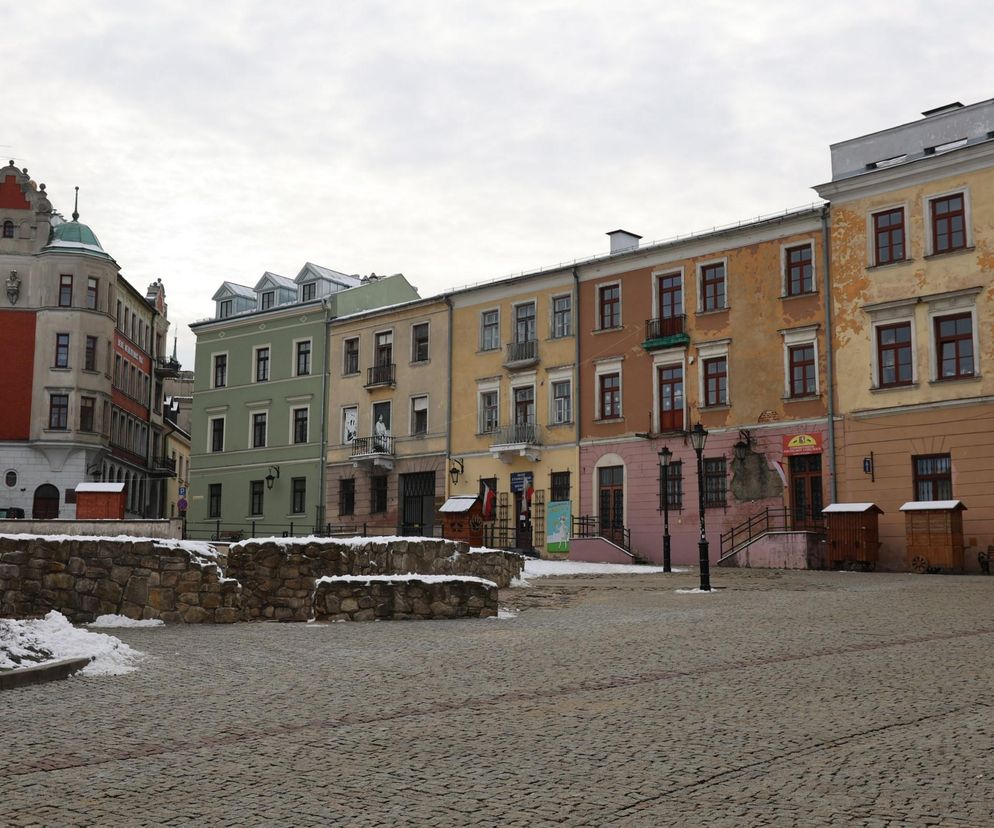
x=99 y=487
x=851 y=507
x=276 y=279
x=458 y=503
x=310 y=269
x=922 y=505
x=233 y=289
x=74 y=236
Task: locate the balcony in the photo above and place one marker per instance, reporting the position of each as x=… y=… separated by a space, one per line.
x=519 y=440
x=167 y=366
x=382 y=376
x=164 y=465
x=668 y=332
x=521 y=354
x=373 y=452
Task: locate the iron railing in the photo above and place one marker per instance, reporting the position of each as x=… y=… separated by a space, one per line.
x=521 y=351
x=381 y=444
x=667 y=326
x=517 y=434
x=166 y=464
x=217 y=530
x=591 y=526
x=385 y=374
x=778 y=519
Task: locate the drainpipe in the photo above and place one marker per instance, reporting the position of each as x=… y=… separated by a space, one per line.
x=576 y=385
x=149 y=456
x=448 y=401
x=829 y=352
x=323 y=462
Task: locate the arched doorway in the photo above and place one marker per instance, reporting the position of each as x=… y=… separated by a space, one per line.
x=46 y=503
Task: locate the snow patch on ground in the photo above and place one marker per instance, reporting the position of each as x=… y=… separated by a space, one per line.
x=411 y=576
x=697 y=591
x=303 y=540
x=124 y=621
x=540 y=569
x=504 y=613
x=53 y=638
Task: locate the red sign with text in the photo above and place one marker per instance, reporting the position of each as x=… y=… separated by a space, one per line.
x=801 y=444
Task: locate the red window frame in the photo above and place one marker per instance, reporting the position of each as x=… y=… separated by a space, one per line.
x=671 y=398
x=933 y=476
x=716 y=381
x=610 y=395
x=800 y=270
x=610 y=306
x=948 y=223
x=888 y=236
x=959 y=356
x=894 y=354
x=801 y=361
x=713 y=290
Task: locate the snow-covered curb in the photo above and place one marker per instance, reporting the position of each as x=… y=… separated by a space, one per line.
x=385 y=579
x=110 y=621
x=52 y=638
x=543 y=569
x=359 y=540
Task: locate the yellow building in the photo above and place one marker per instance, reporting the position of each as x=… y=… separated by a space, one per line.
x=513 y=426
x=912 y=267
x=177 y=448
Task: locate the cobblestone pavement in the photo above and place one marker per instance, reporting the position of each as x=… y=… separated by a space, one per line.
x=783 y=699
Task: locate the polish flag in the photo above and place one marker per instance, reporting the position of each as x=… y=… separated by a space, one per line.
x=488 y=502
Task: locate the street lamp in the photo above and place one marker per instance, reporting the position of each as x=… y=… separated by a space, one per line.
x=665 y=455
x=698 y=437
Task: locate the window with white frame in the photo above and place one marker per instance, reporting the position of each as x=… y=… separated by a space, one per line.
x=894 y=335
x=489 y=410
x=262 y=364
x=490 y=330
x=713 y=373
x=562 y=401
x=562 y=316
x=800 y=362
x=609 y=306
x=419 y=342
x=948 y=228
x=302 y=357
x=259 y=429
x=419 y=415
x=350 y=424
x=350 y=351
x=299 y=420
x=713 y=290
x=798 y=269
x=607 y=389
x=954 y=343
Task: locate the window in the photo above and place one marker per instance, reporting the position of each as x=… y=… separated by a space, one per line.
x=62 y=350
x=298 y=495
x=948 y=223
x=419 y=343
x=800 y=271
x=562 y=316
x=489 y=419
x=524 y=322
x=58 y=412
x=10 y=478
x=713 y=287
x=259 y=430
x=256 y=491
x=308 y=291
x=671 y=407
x=351 y=351
x=378 y=494
x=716 y=381
x=261 y=364
x=224 y=309
x=268 y=299
x=220 y=370
x=419 y=415
x=888 y=236
x=674 y=485
x=214 y=500
x=65 y=290
x=562 y=402
x=933 y=475
x=801 y=360
x=610 y=396
x=384 y=348
x=714 y=482
x=490 y=330
x=300 y=416
x=91 y=293
x=90 y=354
x=609 y=297
x=118 y=313
x=524 y=405
x=894 y=355
x=217 y=434
x=954 y=346
x=87 y=405
x=8 y=229
x=350 y=418
x=346 y=496
x=303 y=358
x=559 y=486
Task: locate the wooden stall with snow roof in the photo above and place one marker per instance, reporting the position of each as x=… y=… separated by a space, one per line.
x=462 y=519
x=852 y=535
x=100 y=501
x=934 y=531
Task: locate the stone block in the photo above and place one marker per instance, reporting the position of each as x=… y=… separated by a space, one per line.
x=188 y=598
x=9 y=570
x=86 y=586
x=195 y=615
x=439 y=609
x=363 y=615
x=226 y=615
x=76 y=566
x=136 y=590
x=160 y=599
x=210 y=601
x=109 y=591
x=15 y=556
x=349 y=605
x=171 y=617
x=118 y=574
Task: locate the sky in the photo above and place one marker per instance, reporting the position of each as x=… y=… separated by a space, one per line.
x=453 y=142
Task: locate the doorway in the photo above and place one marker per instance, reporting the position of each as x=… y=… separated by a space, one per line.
x=417 y=495
x=611 y=496
x=46 y=503
x=806 y=500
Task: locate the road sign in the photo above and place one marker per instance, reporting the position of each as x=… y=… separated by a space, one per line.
x=182 y=504
x=182 y=491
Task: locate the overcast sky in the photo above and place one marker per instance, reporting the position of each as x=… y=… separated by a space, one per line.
x=452 y=142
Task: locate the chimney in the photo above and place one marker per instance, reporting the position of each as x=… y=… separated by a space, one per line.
x=623 y=241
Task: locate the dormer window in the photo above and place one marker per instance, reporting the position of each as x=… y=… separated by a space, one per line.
x=224 y=309
x=268 y=299
x=308 y=291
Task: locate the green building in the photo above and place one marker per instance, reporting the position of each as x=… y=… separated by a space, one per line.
x=259 y=421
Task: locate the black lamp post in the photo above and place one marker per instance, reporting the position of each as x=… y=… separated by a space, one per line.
x=665 y=455
x=698 y=437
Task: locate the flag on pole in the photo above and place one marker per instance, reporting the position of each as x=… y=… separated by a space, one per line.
x=489 y=496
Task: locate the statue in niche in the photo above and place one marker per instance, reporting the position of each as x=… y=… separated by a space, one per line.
x=13 y=287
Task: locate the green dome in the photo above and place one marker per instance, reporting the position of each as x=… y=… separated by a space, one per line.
x=72 y=235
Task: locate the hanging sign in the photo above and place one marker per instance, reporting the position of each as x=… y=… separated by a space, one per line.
x=794 y=444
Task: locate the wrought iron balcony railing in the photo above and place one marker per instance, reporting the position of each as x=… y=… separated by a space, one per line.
x=521 y=352
x=518 y=434
x=667 y=326
x=385 y=374
x=364 y=446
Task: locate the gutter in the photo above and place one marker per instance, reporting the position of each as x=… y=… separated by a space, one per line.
x=829 y=350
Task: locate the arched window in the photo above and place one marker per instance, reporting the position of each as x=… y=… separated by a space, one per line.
x=8 y=229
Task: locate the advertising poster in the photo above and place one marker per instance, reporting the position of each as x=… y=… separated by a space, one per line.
x=557 y=525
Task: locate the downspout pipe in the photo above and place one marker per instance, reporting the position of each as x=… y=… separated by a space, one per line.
x=448 y=397
x=576 y=385
x=829 y=347
x=325 y=412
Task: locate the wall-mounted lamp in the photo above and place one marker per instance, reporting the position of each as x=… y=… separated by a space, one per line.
x=456 y=470
x=272 y=477
x=741 y=448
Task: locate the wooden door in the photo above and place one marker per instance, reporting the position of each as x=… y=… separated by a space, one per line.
x=671 y=398
x=806 y=500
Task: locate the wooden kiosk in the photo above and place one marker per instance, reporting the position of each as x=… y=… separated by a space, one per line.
x=934 y=534
x=462 y=519
x=853 y=536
